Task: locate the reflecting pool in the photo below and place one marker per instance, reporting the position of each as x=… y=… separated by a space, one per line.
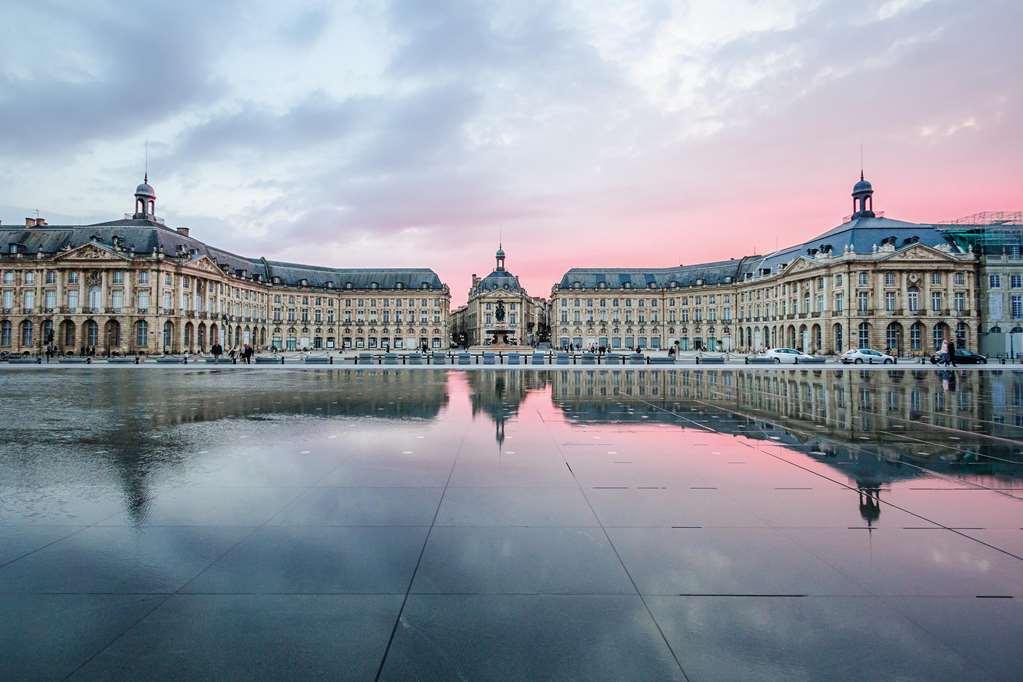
x=492 y=524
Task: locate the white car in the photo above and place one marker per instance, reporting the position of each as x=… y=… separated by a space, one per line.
x=858 y=356
x=789 y=355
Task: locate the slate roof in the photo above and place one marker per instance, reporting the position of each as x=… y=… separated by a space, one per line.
x=143 y=236
x=499 y=279
x=641 y=278
x=860 y=233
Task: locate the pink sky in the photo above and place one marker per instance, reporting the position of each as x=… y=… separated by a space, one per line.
x=627 y=134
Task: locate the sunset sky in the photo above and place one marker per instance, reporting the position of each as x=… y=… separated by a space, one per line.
x=413 y=133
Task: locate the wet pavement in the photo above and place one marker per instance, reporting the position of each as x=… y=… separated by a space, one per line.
x=489 y=524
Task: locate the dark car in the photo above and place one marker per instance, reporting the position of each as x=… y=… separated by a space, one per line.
x=963 y=357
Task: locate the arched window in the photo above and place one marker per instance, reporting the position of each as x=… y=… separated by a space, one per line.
x=141 y=333
x=91 y=333
x=962 y=331
x=168 y=334
x=893 y=337
x=940 y=334
x=26 y=333
x=5 y=334
x=864 y=335
x=916 y=335
x=839 y=341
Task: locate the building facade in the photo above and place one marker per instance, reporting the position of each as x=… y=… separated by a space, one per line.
x=871 y=281
x=524 y=316
x=136 y=286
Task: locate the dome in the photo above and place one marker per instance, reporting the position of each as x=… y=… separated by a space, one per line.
x=145 y=190
x=500 y=252
x=862 y=186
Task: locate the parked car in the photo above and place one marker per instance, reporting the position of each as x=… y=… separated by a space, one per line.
x=963 y=357
x=786 y=355
x=858 y=356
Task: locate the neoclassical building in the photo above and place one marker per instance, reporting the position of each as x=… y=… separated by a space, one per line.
x=871 y=281
x=524 y=316
x=135 y=285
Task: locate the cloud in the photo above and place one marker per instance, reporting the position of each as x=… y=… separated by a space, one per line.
x=80 y=73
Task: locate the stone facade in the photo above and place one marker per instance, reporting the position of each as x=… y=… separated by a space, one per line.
x=136 y=286
x=871 y=282
x=524 y=315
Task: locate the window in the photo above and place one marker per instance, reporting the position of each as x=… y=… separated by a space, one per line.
x=118 y=276
x=30 y=278
x=862 y=301
x=72 y=300
x=864 y=335
x=117 y=300
x=30 y=300
x=889 y=301
x=144 y=277
x=1015 y=281
x=936 y=301
x=915 y=336
x=72 y=278
x=95 y=298
x=143 y=301
x=51 y=277
x=26 y=333
x=1017 y=307
x=838 y=307
x=889 y=279
x=141 y=333
x=5 y=334
x=959 y=279
x=935 y=278
x=913 y=300
x=994 y=281
x=960 y=301
x=863 y=279
x=51 y=300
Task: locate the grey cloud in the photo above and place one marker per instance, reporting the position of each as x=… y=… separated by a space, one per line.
x=146 y=63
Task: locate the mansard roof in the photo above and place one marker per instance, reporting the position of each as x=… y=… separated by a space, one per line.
x=719 y=272
x=144 y=236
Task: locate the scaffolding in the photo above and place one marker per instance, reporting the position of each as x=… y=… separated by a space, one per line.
x=989 y=232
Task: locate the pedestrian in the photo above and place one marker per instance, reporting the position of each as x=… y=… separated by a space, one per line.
x=232 y=354
x=943 y=353
x=951 y=352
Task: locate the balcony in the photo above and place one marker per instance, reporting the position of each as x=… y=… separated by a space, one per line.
x=89 y=311
x=27 y=311
x=49 y=311
x=113 y=311
x=143 y=311
x=167 y=311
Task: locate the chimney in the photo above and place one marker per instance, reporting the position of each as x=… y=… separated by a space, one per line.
x=183 y=231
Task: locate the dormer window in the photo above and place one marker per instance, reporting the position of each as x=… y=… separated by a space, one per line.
x=329 y=285
x=348 y=285
x=399 y=285
x=627 y=285
x=699 y=282
x=304 y=282
x=674 y=284
x=425 y=285
x=373 y=285
x=652 y=285
x=276 y=280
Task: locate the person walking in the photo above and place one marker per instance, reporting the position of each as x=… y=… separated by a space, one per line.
x=951 y=352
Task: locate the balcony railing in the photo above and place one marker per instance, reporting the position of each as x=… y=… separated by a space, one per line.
x=143 y=311
x=27 y=311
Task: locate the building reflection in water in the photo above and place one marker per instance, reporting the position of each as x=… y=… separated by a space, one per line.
x=870 y=428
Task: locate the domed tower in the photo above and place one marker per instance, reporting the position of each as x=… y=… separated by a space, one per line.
x=863 y=199
x=500 y=258
x=145 y=201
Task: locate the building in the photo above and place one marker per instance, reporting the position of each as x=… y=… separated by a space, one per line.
x=997 y=240
x=137 y=286
x=871 y=281
x=524 y=317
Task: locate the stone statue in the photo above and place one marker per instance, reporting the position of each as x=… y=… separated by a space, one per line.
x=499 y=312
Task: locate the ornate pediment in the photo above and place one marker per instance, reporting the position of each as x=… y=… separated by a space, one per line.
x=798 y=265
x=919 y=252
x=206 y=264
x=93 y=252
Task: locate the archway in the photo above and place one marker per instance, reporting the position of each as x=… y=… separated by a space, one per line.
x=863 y=335
x=111 y=336
x=838 y=337
x=214 y=334
x=939 y=335
x=67 y=335
x=916 y=337
x=201 y=336
x=141 y=335
x=189 y=337
x=25 y=335
x=91 y=335
x=168 y=336
x=815 y=338
x=893 y=339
